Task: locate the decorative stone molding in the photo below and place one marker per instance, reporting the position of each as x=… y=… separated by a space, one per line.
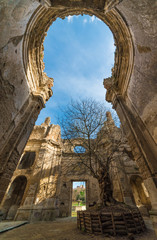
x=38 y=26
x=45 y=3
x=105 y=5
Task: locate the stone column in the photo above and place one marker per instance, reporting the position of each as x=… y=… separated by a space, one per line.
x=142 y=144
x=17 y=140
x=139 y=141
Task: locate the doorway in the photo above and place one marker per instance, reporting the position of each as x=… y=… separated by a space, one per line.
x=78 y=197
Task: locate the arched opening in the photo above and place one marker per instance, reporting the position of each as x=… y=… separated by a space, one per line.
x=117 y=85
x=120 y=19
x=14 y=197
x=33 y=46
x=32 y=71
x=27 y=160
x=84 y=51
x=140 y=193
x=79 y=149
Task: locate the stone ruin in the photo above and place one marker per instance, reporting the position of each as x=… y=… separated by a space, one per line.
x=41 y=186
x=132 y=88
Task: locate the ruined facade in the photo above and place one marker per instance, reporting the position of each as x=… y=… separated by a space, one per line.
x=132 y=89
x=41 y=187
x=39 y=165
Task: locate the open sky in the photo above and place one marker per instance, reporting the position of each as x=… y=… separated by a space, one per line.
x=78 y=54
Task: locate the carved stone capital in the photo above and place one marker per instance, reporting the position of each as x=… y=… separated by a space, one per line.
x=39 y=97
x=111 y=88
x=108 y=83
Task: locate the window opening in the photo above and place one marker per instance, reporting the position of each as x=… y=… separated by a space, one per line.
x=27 y=160
x=79 y=149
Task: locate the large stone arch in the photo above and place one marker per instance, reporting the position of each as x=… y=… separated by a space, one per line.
x=25 y=87
x=14 y=196
x=44 y=17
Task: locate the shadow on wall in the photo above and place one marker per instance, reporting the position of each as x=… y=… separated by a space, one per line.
x=34 y=199
x=27 y=160
x=14 y=197
x=141 y=195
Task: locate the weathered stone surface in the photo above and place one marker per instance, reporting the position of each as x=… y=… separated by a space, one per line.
x=54 y=167
x=132 y=88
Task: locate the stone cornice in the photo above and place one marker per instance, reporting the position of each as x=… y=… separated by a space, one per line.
x=43 y=141
x=37 y=96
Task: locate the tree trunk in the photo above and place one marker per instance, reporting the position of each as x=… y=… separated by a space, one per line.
x=106 y=188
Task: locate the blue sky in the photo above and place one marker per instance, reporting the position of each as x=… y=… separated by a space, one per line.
x=75 y=184
x=78 y=54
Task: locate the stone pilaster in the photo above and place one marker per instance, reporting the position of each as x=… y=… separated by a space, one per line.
x=143 y=146
x=16 y=142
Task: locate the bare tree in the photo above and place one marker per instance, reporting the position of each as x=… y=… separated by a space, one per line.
x=85 y=121
x=101 y=147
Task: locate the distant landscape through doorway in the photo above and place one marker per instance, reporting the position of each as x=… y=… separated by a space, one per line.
x=78 y=197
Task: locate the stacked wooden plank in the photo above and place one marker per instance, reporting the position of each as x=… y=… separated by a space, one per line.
x=113 y=223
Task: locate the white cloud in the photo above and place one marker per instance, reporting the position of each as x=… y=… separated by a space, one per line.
x=71 y=79
x=80 y=86
x=85 y=20
x=70 y=18
x=93 y=18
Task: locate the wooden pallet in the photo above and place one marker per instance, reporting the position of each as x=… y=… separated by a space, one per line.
x=113 y=223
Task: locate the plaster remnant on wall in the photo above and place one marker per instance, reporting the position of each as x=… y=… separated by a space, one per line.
x=143 y=49
x=6 y=88
x=15 y=40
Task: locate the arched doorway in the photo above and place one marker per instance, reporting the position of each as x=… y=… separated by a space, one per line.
x=140 y=193
x=14 y=197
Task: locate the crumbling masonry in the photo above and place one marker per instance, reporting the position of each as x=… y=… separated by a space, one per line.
x=41 y=187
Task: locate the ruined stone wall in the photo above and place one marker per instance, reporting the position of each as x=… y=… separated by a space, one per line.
x=137 y=106
x=142 y=90
x=39 y=199
x=24 y=87
x=50 y=176
x=72 y=171
x=21 y=101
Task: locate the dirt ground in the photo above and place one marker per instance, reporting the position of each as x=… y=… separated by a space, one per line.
x=64 y=229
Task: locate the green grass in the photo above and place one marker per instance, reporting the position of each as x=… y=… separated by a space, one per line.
x=76 y=204
x=74 y=214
